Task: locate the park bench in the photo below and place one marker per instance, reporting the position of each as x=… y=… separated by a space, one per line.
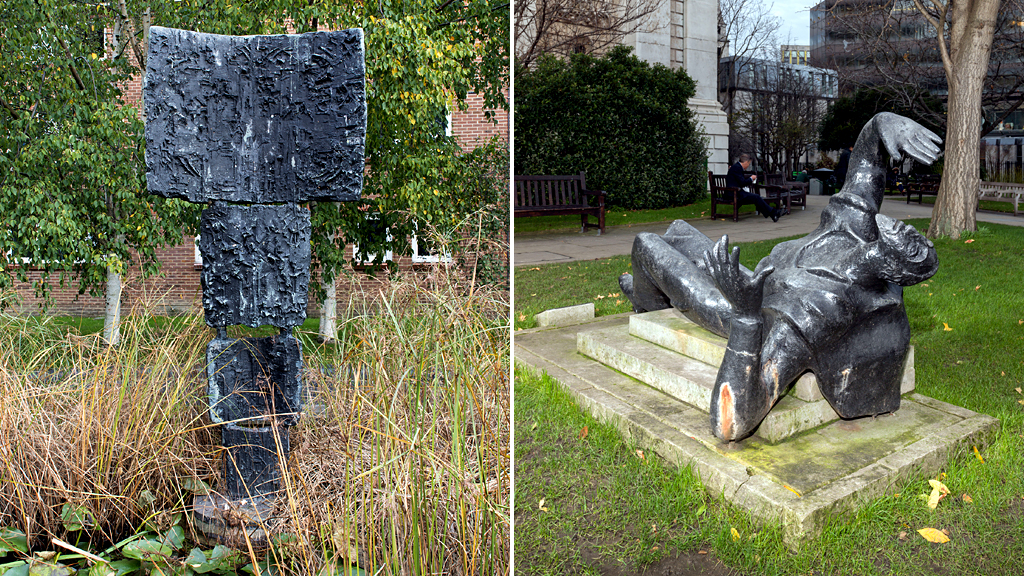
x=722 y=194
x=1002 y=192
x=921 y=186
x=559 y=195
x=795 y=192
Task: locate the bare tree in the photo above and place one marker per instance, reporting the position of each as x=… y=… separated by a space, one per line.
x=778 y=108
x=564 y=27
x=941 y=45
x=750 y=29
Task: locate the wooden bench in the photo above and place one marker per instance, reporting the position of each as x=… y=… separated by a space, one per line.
x=559 y=195
x=797 y=190
x=1002 y=192
x=722 y=194
x=921 y=186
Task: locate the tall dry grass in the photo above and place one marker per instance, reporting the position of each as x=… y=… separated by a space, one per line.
x=401 y=462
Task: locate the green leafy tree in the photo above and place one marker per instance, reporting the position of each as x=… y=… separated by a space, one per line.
x=72 y=177
x=422 y=59
x=622 y=120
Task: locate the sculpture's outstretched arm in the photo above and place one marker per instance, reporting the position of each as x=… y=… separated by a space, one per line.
x=739 y=400
x=886 y=132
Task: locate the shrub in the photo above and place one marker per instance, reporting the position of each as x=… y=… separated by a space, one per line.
x=622 y=120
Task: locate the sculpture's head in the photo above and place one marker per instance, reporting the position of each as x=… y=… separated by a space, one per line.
x=905 y=257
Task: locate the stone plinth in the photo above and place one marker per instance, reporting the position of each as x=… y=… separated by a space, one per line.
x=801 y=481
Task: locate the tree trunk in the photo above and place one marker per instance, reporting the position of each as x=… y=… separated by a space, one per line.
x=329 y=312
x=973 y=26
x=112 y=319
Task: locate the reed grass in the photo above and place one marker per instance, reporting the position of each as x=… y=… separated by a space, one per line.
x=400 y=463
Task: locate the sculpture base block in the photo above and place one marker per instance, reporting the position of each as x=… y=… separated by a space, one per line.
x=237 y=523
x=800 y=482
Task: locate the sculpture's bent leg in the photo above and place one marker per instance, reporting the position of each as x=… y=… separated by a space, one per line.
x=665 y=275
x=749 y=383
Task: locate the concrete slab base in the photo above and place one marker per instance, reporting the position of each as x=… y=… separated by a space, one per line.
x=801 y=481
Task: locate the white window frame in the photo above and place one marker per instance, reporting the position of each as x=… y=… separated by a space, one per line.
x=417 y=258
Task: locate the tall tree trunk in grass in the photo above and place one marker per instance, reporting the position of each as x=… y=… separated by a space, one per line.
x=329 y=312
x=965 y=30
x=112 y=318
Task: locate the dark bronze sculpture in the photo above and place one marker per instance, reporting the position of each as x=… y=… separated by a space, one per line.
x=252 y=126
x=831 y=302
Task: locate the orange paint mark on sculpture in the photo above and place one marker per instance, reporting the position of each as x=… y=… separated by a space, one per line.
x=725 y=412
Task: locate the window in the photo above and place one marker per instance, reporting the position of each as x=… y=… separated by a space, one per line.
x=377 y=227
x=425 y=251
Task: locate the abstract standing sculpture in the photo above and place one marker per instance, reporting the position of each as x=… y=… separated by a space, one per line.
x=831 y=302
x=252 y=126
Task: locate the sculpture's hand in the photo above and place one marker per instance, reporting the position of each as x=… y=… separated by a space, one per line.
x=742 y=290
x=899 y=134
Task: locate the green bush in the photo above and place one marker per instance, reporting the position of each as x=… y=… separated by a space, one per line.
x=622 y=120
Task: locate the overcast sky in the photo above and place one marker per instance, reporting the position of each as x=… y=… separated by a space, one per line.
x=796 y=20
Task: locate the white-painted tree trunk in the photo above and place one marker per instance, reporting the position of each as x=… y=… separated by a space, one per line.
x=112 y=319
x=329 y=312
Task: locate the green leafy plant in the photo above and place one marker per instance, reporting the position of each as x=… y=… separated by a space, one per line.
x=623 y=121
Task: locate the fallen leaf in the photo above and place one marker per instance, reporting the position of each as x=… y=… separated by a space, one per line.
x=934 y=536
x=584 y=432
x=939 y=491
x=978 y=454
x=702 y=552
x=793 y=490
x=534 y=427
x=903 y=535
x=1019 y=322
x=534 y=268
x=967 y=498
x=946 y=327
x=978 y=287
x=541 y=505
x=968 y=241
x=735 y=535
x=640 y=454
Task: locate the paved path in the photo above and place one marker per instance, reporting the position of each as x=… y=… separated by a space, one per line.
x=532 y=248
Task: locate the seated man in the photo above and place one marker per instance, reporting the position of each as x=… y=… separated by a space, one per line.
x=737 y=178
x=830 y=302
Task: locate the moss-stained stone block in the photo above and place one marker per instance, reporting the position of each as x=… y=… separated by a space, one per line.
x=566 y=316
x=801 y=481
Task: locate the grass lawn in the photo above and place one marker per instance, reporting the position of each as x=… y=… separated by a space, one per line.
x=588 y=503
x=986 y=205
x=618 y=217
